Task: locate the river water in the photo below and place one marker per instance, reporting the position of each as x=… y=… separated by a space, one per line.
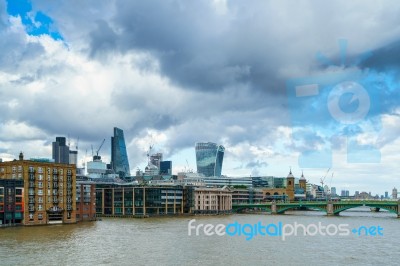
x=165 y=241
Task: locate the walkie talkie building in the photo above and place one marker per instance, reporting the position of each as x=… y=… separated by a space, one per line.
x=209 y=157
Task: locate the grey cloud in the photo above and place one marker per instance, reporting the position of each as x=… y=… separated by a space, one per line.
x=256 y=164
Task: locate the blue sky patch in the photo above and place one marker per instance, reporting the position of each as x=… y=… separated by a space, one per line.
x=36 y=23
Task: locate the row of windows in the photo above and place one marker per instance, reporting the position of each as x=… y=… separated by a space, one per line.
x=19 y=169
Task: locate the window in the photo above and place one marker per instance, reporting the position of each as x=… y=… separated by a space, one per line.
x=40 y=191
x=40 y=216
x=40 y=199
x=49 y=170
x=18 y=191
x=19 y=169
x=40 y=177
x=2 y=170
x=40 y=207
x=40 y=170
x=61 y=171
x=31 y=217
x=40 y=184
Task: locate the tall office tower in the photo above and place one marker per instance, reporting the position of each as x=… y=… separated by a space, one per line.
x=156 y=159
x=209 y=157
x=333 y=191
x=60 y=151
x=166 y=168
x=119 y=157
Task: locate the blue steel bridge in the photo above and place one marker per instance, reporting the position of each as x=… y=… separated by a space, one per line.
x=330 y=207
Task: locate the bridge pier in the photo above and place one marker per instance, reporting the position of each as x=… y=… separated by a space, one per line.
x=398 y=209
x=329 y=209
x=273 y=208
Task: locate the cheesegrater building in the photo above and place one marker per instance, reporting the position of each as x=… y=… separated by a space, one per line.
x=209 y=157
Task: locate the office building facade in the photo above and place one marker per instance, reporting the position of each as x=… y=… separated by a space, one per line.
x=209 y=158
x=119 y=156
x=127 y=200
x=166 y=168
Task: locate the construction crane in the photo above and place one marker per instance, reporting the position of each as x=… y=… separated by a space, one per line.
x=148 y=154
x=77 y=142
x=101 y=145
x=323 y=178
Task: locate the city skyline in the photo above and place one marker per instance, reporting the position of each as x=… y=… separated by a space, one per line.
x=187 y=72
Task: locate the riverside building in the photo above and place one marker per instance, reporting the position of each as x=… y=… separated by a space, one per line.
x=37 y=192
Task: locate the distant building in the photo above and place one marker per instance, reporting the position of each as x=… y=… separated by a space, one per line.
x=386 y=194
x=333 y=191
x=394 y=193
x=209 y=158
x=73 y=157
x=356 y=193
x=60 y=151
x=119 y=156
x=44 y=190
x=165 y=168
x=156 y=159
x=343 y=193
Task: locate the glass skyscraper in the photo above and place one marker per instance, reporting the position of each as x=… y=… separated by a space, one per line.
x=119 y=157
x=209 y=157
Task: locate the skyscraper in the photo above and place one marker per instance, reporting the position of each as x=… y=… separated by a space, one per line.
x=156 y=159
x=119 y=157
x=60 y=151
x=166 y=168
x=209 y=157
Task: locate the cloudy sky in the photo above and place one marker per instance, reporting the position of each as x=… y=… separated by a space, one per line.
x=171 y=73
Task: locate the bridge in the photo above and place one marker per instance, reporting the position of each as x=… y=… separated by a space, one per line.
x=330 y=207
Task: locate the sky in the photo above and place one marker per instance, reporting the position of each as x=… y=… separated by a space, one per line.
x=306 y=85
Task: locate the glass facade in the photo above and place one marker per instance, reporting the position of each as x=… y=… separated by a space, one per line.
x=166 y=168
x=119 y=156
x=209 y=158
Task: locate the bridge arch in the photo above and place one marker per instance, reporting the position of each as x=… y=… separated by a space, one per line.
x=348 y=207
x=282 y=210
